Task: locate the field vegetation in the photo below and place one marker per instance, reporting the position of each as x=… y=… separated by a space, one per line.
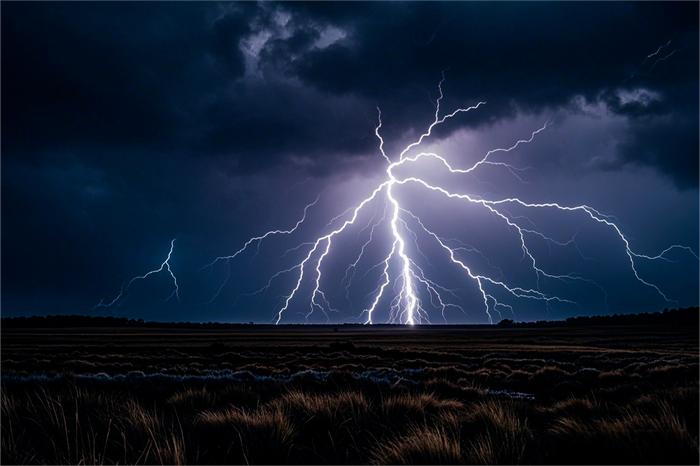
x=594 y=395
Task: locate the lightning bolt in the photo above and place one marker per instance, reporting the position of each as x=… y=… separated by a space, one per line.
x=658 y=50
x=164 y=266
x=661 y=53
x=255 y=240
x=400 y=274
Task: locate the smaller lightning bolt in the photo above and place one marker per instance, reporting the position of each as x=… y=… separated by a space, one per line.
x=483 y=161
x=379 y=136
x=258 y=240
x=327 y=239
x=662 y=254
x=661 y=49
x=435 y=123
x=350 y=270
x=664 y=58
x=658 y=50
x=165 y=266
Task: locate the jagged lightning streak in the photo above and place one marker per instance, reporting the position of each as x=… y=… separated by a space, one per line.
x=258 y=241
x=327 y=239
x=165 y=266
x=399 y=267
x=350 y=270
x=659 y=55
x=407 y=292
x=658 y=50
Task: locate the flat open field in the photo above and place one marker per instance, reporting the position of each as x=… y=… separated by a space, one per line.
x=348 y=394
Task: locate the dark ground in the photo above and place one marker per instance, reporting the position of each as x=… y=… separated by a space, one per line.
x=585 y=394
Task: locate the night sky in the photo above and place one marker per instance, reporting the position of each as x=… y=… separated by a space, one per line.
x=127 y=125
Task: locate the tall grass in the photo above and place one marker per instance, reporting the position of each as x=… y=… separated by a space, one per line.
x=86 y=427
x=655 y=436
x=236 y=436
x=426 y=445
x=496 y=432
x=195 y=425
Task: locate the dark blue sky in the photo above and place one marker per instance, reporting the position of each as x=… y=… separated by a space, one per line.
x=125 y=125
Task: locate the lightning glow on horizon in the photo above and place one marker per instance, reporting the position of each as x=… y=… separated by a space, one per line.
x=401 y=274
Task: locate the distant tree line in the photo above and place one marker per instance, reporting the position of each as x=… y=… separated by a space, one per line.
x=77 y=320
x=685 y=316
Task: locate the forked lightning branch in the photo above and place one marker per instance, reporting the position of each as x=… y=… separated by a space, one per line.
x=409 y=294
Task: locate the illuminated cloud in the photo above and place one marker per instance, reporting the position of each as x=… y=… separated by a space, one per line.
x=195 y=120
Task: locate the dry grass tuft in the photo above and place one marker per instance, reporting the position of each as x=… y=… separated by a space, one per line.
x=417 y=408
x=495 y=432
x=193 y=398
x=329 y=424
x=427 y=445
x=164 y=441
x=586 y=408
x=262 y=436
x=329 y=406
x=635 y=436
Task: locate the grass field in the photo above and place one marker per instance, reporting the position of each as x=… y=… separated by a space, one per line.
x=384 y=395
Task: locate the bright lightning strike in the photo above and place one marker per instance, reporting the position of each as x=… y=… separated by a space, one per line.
x=401 y=274
x=164 y=266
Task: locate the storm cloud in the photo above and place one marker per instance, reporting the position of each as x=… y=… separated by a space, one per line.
x=127 y=124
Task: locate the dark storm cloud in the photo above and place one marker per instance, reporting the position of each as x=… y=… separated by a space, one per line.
x=146 y=76
x=125 y=124
x=530 y=55
x=80 y=73
x=667 y=143
x=142 y=77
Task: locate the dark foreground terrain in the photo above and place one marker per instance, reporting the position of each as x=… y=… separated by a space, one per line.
x=584 y=394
